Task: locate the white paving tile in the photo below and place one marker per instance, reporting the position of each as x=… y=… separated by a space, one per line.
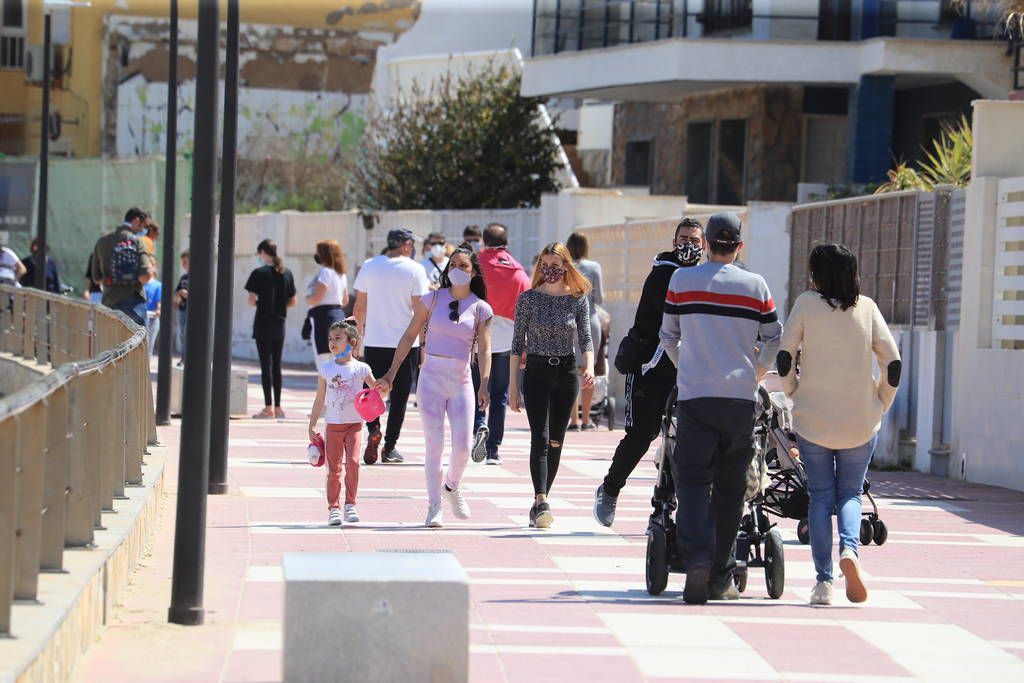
x=265 y=573
x=698 y=646
x=281 y=492
x=877 y=599
x=259 y=636
x=941 y=652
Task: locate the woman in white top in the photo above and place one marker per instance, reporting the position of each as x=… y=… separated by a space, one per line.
x=328 y=294
x=837 y=404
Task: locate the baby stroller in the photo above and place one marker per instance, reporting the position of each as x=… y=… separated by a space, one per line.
x=758 y=543
x=603 y=405
x=786 y=493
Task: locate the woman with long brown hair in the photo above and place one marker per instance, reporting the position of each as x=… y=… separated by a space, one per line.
x=272 y=291
x=328 y=293
x=550 y=318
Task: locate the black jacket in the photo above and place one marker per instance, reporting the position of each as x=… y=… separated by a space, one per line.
x=647 y=323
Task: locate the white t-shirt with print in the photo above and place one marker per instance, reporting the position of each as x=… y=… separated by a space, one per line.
x=389 y=284
x=335 y=284
x=344 y=381
x=501 y=334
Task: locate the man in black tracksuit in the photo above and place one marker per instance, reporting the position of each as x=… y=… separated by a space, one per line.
x=652 y=375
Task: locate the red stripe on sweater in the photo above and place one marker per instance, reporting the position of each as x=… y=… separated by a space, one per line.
x=694 y=297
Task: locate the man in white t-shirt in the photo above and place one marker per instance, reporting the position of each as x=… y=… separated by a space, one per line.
x=388 y=288
x=434 y=260
x=11 y=267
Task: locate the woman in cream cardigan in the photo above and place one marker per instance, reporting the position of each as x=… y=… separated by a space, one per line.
x=837 y=404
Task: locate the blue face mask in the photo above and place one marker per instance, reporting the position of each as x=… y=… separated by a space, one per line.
x=345 y=353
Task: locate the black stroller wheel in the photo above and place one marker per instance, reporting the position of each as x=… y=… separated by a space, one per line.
x=609 y=413
x=880 y=533
x=803 y=531
x=866 y=532
x=774 y=564
x=657 y=560
x=740 y=579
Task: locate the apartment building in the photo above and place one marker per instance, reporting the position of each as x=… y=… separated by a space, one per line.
x=728 y=101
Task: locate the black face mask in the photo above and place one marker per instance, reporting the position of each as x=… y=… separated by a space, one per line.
x=316 y=259
x=689 y=253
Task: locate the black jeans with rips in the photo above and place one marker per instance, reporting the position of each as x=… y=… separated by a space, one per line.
x=549 y=392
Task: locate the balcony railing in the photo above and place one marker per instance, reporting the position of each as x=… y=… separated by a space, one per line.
x=72 y=439
x=573 y=25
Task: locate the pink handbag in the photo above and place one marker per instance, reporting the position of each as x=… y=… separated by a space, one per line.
x=369 y=404
x=316 y=451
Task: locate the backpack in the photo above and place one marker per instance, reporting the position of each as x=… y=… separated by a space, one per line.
x=124 y=263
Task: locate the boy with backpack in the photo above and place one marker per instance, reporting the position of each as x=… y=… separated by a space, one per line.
x=123 y=264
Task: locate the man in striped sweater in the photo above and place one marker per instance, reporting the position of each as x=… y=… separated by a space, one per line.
x=715 y=316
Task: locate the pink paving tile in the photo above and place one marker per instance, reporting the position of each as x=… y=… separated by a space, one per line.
x=534 y=668
x=486 y=668
x=835 y=650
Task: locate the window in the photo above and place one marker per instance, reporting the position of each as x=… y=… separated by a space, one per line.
x=732 y=148
x=638 y=163
x=698 y=162
x=12 y=34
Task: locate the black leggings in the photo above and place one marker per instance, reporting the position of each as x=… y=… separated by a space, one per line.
x=269 y=350
x=549 y=392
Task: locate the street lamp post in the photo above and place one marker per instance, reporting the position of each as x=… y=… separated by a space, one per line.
x=221 y=406
x=44 y=155
x=44 y=140
x=163 y=376
x=193 y=469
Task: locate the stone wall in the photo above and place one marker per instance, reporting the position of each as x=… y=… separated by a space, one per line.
x=773 y=148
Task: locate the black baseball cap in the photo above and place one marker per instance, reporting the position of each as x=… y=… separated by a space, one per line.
x=724 y=228
x=400 y=236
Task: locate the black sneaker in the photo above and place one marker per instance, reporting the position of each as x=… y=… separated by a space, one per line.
x=492 y=458
x=695 y=592
x=604 y=507
x=573 y=428
x=372 y=447
x=391 y=456
x=540 y=516
x=479 y=451
x=588 y=427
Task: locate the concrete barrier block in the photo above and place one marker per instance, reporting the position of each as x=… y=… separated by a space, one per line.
x=375 y=618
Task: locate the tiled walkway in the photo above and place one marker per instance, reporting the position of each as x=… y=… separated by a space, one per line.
x=569 y=604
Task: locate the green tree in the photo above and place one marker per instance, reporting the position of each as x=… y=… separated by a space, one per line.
x=474 y=143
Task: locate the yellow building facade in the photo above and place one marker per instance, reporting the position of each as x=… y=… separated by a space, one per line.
x=79 y=88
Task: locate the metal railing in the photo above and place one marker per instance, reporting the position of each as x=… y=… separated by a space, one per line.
x=71 y=441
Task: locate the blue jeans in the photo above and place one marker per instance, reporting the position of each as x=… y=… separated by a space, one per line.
x=182 y=318
x=134 y=307
x=835 y=479
x=498 y=389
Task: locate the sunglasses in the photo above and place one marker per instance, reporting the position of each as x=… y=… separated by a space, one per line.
x=453 y=311
x=435 y=244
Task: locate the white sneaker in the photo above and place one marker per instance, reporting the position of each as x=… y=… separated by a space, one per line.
x=334 y=517
x=856 y=591
x=434 y=516
x=458 y=504
x=822 y=593
x=351 y=516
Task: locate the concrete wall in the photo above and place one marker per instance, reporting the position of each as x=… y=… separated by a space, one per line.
x=773 y=142
x=989 y=399
x=767 y=248
x=16 y=374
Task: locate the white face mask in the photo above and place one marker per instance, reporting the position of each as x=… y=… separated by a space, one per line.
x=260 y=261
x=437 y=252
x=459 y=278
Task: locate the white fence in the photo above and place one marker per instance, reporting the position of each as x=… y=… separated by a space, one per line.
x=1008 y=291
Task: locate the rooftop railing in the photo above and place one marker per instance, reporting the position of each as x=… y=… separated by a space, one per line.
x=73 y=439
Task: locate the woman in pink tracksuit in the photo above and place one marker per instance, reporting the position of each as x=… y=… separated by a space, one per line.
x=457 y=318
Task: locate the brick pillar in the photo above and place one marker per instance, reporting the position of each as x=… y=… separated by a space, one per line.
x=869 y=153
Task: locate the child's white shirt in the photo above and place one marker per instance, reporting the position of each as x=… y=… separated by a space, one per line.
x=344 y=381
